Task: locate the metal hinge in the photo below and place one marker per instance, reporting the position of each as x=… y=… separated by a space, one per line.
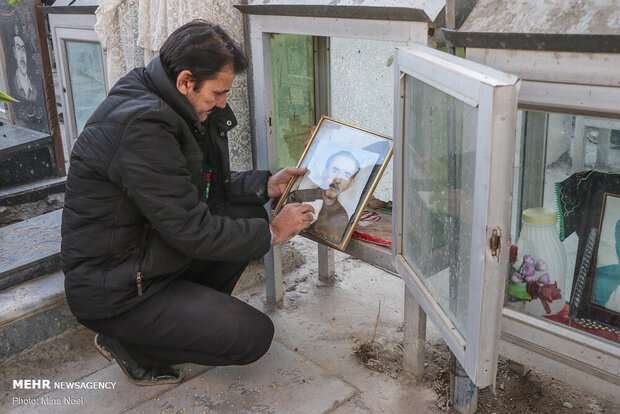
x=495 y=242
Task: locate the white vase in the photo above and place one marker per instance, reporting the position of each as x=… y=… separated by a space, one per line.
x=539 y=238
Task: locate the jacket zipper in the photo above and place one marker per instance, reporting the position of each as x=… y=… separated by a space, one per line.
x=139 y=282
x=139 y=275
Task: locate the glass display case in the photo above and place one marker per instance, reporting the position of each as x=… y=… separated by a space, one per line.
x=488 y=152
x=486 y=174
x=80 y=62
x=306 y=58
x=556 y=240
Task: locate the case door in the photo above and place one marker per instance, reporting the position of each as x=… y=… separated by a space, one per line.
x=454 y=151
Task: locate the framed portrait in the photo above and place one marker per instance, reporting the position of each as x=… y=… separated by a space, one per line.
x=598 y=292
x=344 y=165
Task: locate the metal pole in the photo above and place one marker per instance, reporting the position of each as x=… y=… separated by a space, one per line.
x=463 y=392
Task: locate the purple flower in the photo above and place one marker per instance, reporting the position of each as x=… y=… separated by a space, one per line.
x=516 y=278
x=530 y=278
x=528 y=269
x=540 y=266
x=544 y=279
x=529 y=259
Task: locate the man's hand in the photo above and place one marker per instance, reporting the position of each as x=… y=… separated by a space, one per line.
x=292 y=219
x=277 y=183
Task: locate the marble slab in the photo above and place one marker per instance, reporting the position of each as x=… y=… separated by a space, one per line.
x=29 y=249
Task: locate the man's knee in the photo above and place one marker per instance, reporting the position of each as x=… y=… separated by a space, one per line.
x=258 y=339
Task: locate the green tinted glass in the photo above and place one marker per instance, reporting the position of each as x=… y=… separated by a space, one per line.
x=292 y=62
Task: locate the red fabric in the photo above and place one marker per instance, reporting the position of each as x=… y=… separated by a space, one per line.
x=371 y=238
x=562 y=317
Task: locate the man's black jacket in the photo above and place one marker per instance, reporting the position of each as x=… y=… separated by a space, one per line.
x=135 y=200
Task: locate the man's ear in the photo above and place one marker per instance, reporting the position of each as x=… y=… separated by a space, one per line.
x=185 y=82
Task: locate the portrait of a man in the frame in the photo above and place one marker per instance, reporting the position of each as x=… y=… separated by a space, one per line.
x=333 y=186
x=332 y=218
x=22 y=87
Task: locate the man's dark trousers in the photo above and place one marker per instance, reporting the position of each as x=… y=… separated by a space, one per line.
x=194 y=319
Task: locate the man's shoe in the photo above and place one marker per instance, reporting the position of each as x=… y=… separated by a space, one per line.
x=111 y=349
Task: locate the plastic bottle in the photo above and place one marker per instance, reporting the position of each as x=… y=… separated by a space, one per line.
x=539 y=238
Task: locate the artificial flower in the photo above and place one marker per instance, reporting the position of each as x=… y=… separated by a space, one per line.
x=533 y=288
x=540 y=266
x=528 y=269
x=531 y=278
x=548 y=294
x=516 y=278
x=529 y=259
x=544 y=279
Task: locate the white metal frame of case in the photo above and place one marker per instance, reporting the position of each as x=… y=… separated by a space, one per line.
x=495 y=95
x=575 y=83
x=259 y=28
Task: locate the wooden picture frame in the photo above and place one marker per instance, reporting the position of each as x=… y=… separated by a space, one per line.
x=345 y=164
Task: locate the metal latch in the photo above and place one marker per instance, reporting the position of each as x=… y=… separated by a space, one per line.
x=495 y=243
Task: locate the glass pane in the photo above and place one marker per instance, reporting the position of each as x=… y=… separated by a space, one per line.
x=364 y=98
x=551 y=148
x=439 y=163
x=292 y=60
x=86 y=79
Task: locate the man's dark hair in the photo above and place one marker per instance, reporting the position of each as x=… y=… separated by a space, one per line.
x=346 y=154
x=204 y=49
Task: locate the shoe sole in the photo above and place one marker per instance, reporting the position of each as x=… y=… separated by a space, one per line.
x=109 y=357
x=102 y=350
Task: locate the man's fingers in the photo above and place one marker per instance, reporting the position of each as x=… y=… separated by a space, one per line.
x=296 y=171
x=306 y=208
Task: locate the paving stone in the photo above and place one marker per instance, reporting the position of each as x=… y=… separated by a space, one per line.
x=280 y=382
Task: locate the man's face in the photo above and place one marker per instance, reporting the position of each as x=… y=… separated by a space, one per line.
x=339 y=175
x=212 y=93
x=19 y=50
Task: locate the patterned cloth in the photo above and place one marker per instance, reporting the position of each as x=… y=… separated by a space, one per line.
x=573 y=198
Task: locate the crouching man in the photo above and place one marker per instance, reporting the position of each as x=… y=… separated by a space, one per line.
x=156 y=229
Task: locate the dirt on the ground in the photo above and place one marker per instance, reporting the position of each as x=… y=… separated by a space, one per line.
x=531 y=393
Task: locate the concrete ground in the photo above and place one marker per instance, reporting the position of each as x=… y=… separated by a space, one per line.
x=310 y=368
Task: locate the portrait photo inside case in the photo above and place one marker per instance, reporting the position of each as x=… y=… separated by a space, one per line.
x=605 y=291
x=344 y=165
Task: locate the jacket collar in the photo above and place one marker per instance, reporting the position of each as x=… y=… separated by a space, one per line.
x=159 y=82
x=223 y=118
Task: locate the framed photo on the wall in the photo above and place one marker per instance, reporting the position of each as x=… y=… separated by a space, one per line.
x=344 y=165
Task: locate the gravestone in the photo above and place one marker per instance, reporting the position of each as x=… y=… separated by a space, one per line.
x=23 y=64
